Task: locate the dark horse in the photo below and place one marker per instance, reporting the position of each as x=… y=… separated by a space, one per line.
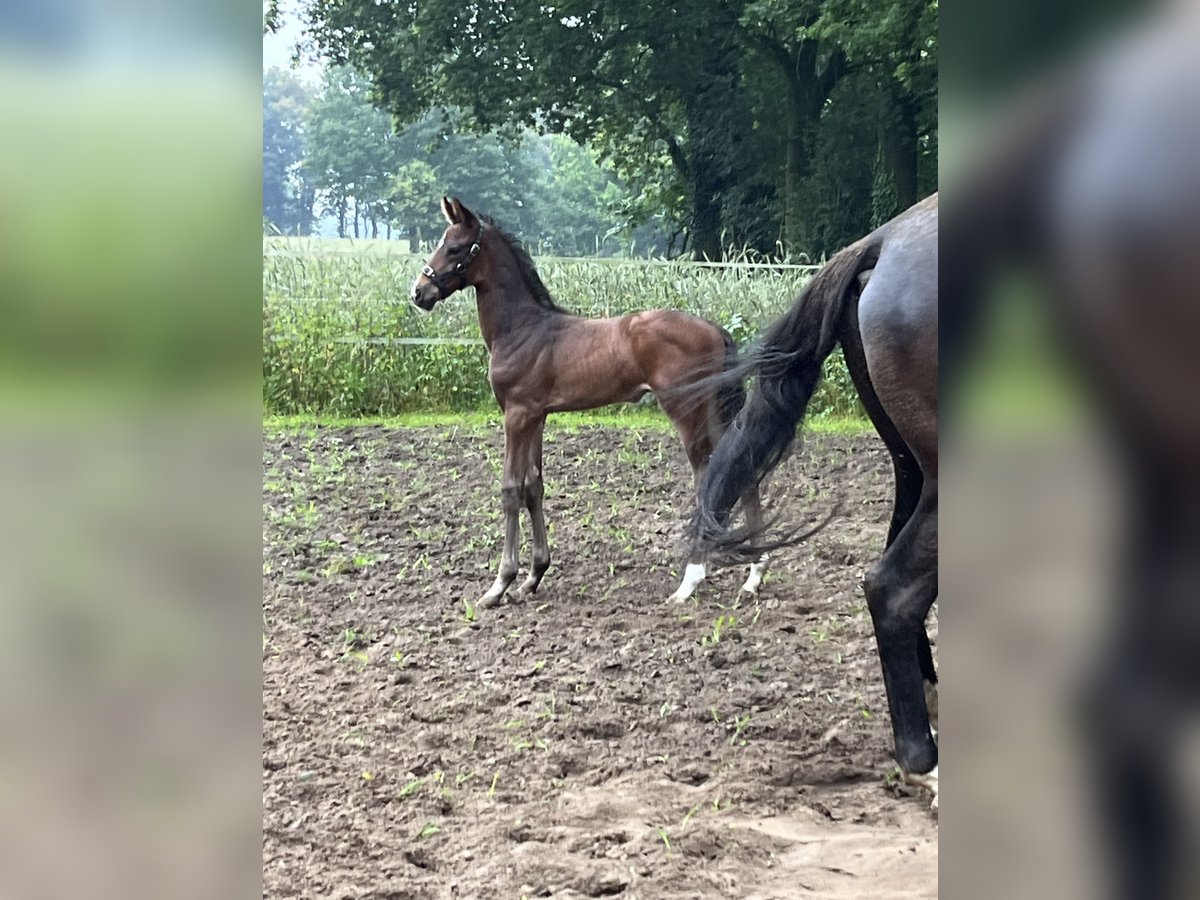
x=542 y=359
x=878 y=298
x=1091 y=184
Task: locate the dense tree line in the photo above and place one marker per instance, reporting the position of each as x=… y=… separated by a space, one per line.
x=766 y=124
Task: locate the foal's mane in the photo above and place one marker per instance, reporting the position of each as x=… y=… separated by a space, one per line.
x=525 y=266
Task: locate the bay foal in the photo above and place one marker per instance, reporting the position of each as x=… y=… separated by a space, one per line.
x=542 y=360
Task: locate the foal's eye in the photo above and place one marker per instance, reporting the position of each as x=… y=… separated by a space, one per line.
x=454 y=248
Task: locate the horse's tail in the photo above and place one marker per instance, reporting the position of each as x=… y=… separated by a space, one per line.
x=731 y=393
x=787 y=365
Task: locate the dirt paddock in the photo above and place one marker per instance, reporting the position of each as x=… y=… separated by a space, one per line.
x=593 y=740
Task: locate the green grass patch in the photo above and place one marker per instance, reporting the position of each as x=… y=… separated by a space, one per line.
x=484 y=420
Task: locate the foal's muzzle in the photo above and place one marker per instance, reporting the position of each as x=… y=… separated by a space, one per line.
x=425 y=295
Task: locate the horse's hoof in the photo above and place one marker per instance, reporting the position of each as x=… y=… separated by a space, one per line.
x=929 y=781
x=683 y=593
x=754 y=579
x=692 y=576
x=528 y=588
x=489 y=601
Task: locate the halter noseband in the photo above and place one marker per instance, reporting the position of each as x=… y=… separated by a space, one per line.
x=439 y=278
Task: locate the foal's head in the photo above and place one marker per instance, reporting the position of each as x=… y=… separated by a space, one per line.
x=448 y=270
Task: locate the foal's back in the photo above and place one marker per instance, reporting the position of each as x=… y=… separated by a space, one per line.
x=585 y=363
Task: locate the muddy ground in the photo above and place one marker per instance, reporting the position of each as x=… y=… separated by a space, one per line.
x=593 y=740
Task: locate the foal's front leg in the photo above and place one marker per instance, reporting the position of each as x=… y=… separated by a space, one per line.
x=534 y=492
x=517 y=434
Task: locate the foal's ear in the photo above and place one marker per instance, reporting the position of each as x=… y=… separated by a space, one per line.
x=450 y=211
x=464 y=215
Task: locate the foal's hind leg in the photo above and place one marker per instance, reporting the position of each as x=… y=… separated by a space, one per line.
x=900 y=590
x=534 y=492
x=691 y=420
x=752 y=507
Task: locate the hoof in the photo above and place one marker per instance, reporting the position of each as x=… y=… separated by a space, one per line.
x=692 y=576
x=489 y=601
x=495 y=592
x=754 y=579
x=929 y=781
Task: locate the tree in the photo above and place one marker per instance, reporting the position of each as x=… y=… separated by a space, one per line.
x=646 y=84
x=681 y=99
x=785 y=34
x=895 y=43
x=288 y=196
x=889 y=48
x=351 y=155
x=575 y=205
x=413 y=200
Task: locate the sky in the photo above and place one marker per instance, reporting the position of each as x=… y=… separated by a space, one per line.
x=278 y=47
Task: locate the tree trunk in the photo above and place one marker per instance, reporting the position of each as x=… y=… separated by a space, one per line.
x=899 y=146
x=706 y=194
x=341 y=208
x=355 y=218
x=389 y=230
x=308 y=198
x=711 y=163
x=806 y=97
x=807 y=91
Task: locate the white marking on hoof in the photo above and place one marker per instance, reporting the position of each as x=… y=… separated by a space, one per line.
x=754 y=579
x=692 y=576
x=929 y=781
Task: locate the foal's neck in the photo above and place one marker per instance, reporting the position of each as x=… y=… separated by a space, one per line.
x=505 y=303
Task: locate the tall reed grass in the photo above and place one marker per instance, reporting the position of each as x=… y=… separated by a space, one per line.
x=341 y=339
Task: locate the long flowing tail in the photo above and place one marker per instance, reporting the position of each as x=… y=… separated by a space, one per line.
x=731 y=393
x=787 y=365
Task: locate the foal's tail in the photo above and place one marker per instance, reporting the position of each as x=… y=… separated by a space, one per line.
x=787 y=362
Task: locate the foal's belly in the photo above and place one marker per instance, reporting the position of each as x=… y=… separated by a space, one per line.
x=592 y=396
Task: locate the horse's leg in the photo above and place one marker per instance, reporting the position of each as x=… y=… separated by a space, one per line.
x=752 y=507
x=909 y=478
x=900 y=590
x=929 y=677
x=691 y=421
x=534 y=492
x=909 y=483
x=518 y=428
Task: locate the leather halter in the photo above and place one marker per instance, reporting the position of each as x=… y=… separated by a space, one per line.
x=439 y=279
